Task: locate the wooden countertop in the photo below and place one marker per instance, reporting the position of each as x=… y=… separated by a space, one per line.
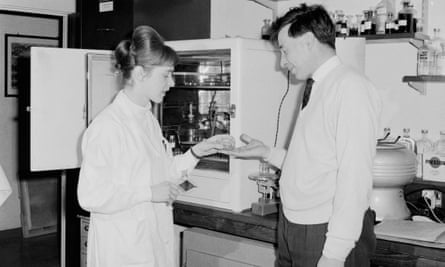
x=263 y=228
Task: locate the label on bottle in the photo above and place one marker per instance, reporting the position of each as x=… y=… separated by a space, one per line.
x=403 y=22
x=368 y=25
x=105 y=6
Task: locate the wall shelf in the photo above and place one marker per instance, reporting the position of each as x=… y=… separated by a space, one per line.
x=388 y=38
x=418 y=82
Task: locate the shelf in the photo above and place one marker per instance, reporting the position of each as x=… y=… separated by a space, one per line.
x=418 y=83
x=204 y=87
x=388 y=38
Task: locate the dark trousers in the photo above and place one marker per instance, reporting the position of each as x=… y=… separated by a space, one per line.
x=301 y=245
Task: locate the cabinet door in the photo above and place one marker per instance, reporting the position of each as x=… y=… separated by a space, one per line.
x=175 y=19
x=202 y=248
x=104 y=23
x=58 y=117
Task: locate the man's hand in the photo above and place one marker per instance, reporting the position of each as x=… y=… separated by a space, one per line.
x=254 y=149
x=327 y=262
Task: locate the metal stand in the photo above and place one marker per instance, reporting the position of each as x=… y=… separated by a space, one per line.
x=267 y=186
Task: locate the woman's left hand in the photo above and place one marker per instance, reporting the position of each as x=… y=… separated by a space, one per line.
x=213 y=144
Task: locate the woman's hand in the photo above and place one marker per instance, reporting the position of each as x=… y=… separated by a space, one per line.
x=254 y=149
x=213 y=145
x=165 y=192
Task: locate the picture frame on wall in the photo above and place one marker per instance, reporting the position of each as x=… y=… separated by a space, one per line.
x=19 y=46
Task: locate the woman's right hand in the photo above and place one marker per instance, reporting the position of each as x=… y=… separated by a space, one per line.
x=165 y=192
x=254 y=149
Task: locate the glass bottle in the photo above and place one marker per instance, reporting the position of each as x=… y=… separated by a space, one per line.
x=352 y=25
x=389 y=25
x=381 y=18
x=265 y=30
x=439 y=146
x=407 y=141
x=425 y=59
x=340 y=23
x=369 y=24
x=405 y=18
x=360 y=26
x=424 y=145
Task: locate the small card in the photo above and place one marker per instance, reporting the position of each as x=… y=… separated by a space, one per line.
x=187 y=185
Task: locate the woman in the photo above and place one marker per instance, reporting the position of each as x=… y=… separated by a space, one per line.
x=128 y=176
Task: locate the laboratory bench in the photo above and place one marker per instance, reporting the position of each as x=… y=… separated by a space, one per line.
x=263 y=228
x=243 y=225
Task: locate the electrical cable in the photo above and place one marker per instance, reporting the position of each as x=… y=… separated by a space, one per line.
x=279 y=108
x=432 y=210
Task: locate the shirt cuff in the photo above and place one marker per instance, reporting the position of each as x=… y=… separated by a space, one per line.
x=336 y=248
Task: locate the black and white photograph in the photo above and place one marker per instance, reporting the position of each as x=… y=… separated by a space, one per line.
x=222 y=133
x=17 y=47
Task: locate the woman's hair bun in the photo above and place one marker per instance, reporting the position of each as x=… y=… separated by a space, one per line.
x=124 y=56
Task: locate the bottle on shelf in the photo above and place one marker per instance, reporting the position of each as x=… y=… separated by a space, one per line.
x=341 y=26
x=381 y=12
x=389 y=24
x=353 y=25
x=368 y=23
x=360 y=24
x=406 y=17
x=407 y=141
x=424 y=145
x=265 y=30
x=425 y=59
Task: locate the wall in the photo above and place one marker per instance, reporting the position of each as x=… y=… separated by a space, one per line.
x=10 y=210
x=228 y=18
x=388 y=62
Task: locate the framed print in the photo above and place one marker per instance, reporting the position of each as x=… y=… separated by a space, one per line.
x=16 y=48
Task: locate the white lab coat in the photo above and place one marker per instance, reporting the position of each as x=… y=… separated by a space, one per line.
x=5 y=188
x=124 y=154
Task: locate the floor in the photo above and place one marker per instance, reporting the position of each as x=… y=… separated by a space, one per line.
x=40 y=251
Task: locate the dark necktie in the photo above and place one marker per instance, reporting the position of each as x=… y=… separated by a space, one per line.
x=307 y=92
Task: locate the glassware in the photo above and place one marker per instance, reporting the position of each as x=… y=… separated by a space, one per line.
x=406 y=17
x=369 y=24
x=424 y=145
x=425 y=59
x=407 y=141
x=381 y=18
x=353 y=27
x=360 y=23
x=439 y=146
x=265 y=30
x=389 y=25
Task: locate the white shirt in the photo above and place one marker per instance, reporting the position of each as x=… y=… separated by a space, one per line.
x=327 y=170
x=5 y=188
x=123 y=156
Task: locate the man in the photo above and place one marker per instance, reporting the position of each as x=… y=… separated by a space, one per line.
x=326 y=178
